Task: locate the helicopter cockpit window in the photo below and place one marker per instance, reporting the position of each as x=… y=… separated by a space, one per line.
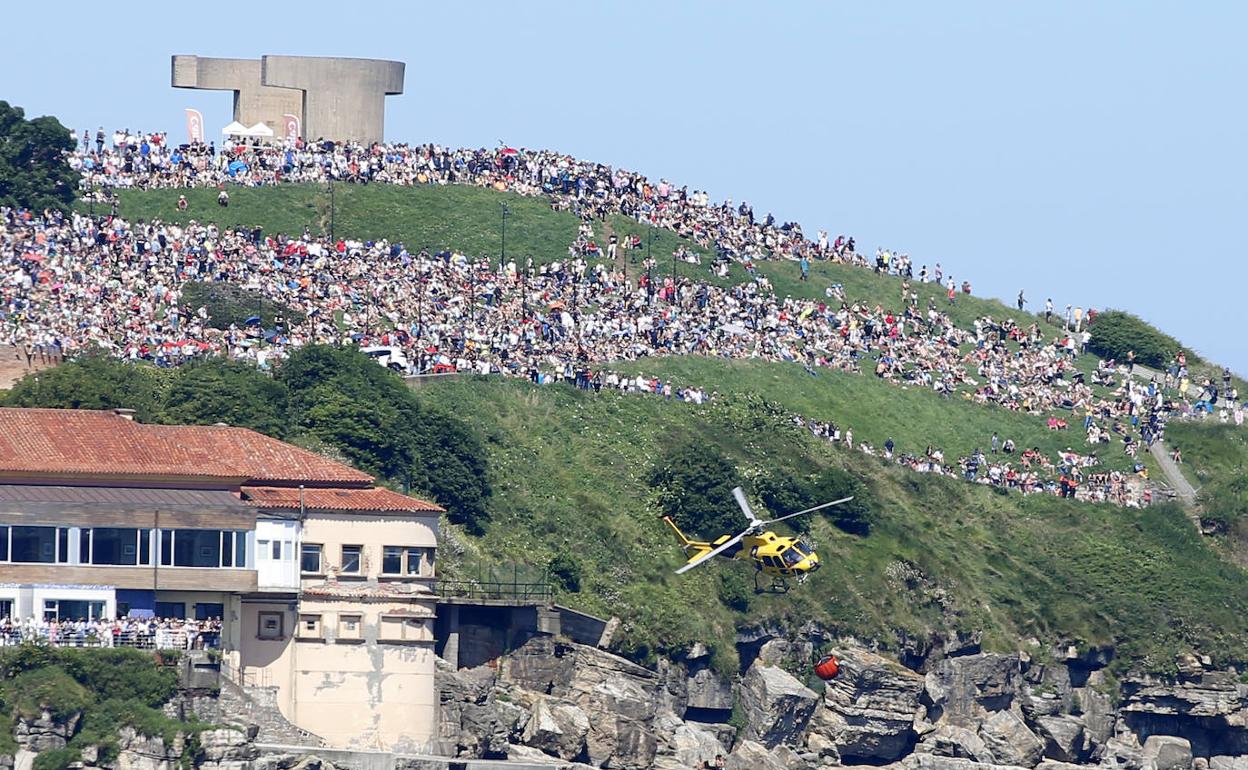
x=792 y=556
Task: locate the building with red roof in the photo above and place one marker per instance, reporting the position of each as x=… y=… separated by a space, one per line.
x=308 y=576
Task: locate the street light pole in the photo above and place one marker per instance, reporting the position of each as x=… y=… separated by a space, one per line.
x=503 y=248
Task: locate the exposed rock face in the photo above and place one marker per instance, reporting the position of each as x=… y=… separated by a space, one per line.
x=559 y=729
x=955 y=742
x=226 y=749
x=1063 y=736
x=706 y=690
x=685 y=745
x=44 y=733
x=749 y=755
x=1010 y=741
x=869 y=711
x=621 y=696
x=1165 y=752
x=1209 y=709
x=472 y=721
x=777 y=706
x=142 y=752
x=964 y=690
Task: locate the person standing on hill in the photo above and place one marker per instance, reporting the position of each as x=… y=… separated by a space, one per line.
x=1048 y=310
x=996 y=442
x=1021 y=300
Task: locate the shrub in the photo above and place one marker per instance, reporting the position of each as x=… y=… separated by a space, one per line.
x=789 y=494
x=56 y=759
x=565 y=569
x=1116 y=333
x=695 y=482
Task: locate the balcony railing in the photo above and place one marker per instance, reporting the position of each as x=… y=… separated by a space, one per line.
x=526 y=593
x=160 y=639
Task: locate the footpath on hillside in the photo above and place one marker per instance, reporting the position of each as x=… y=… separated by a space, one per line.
x=1183 y=488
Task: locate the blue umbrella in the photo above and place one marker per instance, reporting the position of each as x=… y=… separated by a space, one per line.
x=235 y=167
x=253 y=321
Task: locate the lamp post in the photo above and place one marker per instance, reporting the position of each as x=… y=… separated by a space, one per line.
x=331 y=206
x=503 y=246
x=649 y=266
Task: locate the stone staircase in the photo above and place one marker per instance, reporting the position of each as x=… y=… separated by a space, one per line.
x=256 y=708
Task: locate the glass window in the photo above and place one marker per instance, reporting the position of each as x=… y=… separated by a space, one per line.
x=270 y=625
x=166 y=547
x=349 y=627
x=277 y=550
x=791 y=556
x=240 y=549
x=84 y=546
x=34 y=544
x=310 y=560
x=414 y=556
x=351 y=559
x=227 y=549
x=170 y=610
x=4 y=543
x=209 y=611
x=262 y=550
x=197 y=548
x=62 y=544
x=113 y=546
x=310 y=626
x=145 y=546
x=392 y=560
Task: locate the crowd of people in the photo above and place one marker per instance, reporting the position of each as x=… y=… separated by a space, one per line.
x=142 y=633
x=70 y=282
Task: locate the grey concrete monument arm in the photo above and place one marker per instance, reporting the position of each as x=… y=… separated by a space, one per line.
x=342 y=98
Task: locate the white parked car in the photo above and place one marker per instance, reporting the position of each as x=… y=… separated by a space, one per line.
x=389 y=357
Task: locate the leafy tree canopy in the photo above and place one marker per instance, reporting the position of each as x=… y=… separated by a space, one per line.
x=34 y=172
x=789 y=494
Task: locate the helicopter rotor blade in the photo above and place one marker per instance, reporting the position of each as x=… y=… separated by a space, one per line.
x=808 y=510
x=739 y=494
x=711 y=554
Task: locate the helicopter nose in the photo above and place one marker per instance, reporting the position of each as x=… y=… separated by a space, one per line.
x=814 y=567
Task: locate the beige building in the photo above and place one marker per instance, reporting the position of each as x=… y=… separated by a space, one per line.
x=321 y=584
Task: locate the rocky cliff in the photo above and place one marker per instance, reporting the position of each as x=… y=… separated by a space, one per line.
x=973 y=711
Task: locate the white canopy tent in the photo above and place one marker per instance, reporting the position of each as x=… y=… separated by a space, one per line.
x=258 y=131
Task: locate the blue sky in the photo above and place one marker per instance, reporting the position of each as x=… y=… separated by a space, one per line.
x=1091 y=152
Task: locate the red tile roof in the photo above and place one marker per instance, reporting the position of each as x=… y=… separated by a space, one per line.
x=376 y=500
x=79 y=442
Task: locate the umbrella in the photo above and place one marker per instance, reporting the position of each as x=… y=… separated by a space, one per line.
x=508 y=151
x=235 y=167
x=253 y=321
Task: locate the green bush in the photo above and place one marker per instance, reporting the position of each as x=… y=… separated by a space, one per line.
x=56 y=759
x=695 y=480
x=565 y=569
x=39 y=689
x=93 y=381
x=789 y=494
x=1116 y=333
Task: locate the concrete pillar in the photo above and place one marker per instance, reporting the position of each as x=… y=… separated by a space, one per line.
x=254 y=102
x=343 y=99
x=450 y=651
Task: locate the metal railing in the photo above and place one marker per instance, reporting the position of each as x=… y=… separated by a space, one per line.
x=244 y=677
x=160 y=639
x=534 y=593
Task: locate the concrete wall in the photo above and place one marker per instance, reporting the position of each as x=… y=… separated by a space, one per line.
x=368 y=688
x=254 y=102
x=344 y=99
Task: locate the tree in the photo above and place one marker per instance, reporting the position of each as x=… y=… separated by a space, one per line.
x=34 y=172
x=789 y=494
x=345 y=399
x=695 y=482
x=237 y=394
x=96 y=381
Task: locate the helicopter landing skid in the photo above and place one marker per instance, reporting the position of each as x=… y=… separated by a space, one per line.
x=778 y=585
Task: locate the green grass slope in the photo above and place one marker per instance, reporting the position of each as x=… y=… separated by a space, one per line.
x=570 y=468
x=570 y=471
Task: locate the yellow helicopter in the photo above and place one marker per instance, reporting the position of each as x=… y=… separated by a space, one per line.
x=776 y=556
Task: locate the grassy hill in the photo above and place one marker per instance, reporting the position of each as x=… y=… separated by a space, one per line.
x=570 y=469
x=570 y=473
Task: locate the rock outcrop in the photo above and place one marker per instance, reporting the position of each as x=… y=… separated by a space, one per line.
x=869 y=711
x=777 y=706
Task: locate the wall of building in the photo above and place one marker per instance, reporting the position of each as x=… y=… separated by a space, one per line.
x=371 y=688
x=332 y=531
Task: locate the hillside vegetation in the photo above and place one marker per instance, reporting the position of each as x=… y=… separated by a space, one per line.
x=573 y=490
